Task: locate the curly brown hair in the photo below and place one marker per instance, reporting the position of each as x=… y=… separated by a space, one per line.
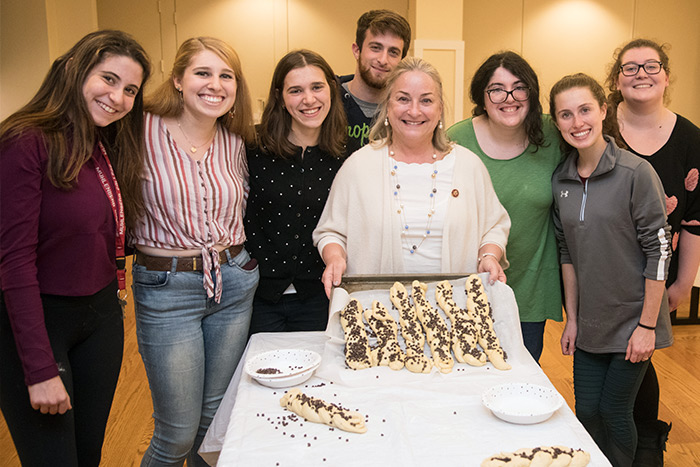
x=615 y=96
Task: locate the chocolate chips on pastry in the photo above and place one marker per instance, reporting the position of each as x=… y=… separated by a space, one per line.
x=319 y=411
x=480 y=311
x=543 y=456
x=387 y=352
x=411 y=330
x=357 y=351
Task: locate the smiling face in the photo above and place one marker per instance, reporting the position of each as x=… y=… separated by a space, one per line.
x=307 y=97
x=510 y=113
x=379 y=55
x=111 y=87
x=414 y=107
x=642 y=87
x=208 y=86
x=579 y=118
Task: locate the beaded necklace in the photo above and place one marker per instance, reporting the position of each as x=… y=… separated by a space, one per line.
x=401 y=211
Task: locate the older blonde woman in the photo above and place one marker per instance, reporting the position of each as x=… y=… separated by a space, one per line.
x=411 y=202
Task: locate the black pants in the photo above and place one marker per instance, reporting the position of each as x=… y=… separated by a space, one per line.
x=87 y=338
x=646 y=407
x=605 y=386
x=290 y=314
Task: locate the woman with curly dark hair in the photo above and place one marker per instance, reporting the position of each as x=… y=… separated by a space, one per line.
x=516 y=141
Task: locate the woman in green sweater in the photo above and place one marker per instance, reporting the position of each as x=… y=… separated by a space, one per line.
x=520 y=149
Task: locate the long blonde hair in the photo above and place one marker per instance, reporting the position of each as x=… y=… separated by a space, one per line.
x=166 y=102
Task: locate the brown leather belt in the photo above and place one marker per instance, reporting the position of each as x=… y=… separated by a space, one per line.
x=184 y=263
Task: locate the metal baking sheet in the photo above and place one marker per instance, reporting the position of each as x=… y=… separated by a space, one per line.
x=360 y=282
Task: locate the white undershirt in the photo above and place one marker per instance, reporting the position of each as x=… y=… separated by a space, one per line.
x=416 y=184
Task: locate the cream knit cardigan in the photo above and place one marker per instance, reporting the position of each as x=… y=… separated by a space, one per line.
x=360 y=215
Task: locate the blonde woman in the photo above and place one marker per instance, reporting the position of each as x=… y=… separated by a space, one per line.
x=410 y=201
x=193 y=280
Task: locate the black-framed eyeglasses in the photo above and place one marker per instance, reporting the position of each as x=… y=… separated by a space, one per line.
x=651 y=68
x=499 y=96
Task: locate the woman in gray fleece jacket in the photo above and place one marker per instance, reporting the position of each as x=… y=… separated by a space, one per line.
x=614 y=242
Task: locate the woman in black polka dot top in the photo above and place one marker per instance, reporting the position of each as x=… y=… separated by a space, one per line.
x=301 y=144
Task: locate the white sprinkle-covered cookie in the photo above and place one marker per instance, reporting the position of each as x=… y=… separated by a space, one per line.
x=465 y=334
x=543 y=456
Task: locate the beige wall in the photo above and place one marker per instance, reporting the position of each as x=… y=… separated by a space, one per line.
x=557 y=36
x=33 y=33
x=261 y=31
x=23 y=63
x=66 y=22
x=560 y=37
x=141 y=19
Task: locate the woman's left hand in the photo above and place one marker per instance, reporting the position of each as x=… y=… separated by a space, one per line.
x=641 y=345
x=491 y=265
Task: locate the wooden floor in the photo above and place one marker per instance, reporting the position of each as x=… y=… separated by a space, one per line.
x=130 y=425
x=678 y=370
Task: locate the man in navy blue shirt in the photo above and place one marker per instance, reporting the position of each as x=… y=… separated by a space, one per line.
x=381 y=41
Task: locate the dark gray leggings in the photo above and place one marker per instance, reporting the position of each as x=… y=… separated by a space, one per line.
x=87 y=338
x=605 y=386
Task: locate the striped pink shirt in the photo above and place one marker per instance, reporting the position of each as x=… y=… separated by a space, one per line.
x=193 y=204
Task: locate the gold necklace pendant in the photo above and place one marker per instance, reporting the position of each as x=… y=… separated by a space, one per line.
x=193 y=147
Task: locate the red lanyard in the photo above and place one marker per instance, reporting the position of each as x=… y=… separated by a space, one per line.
x=118 y=212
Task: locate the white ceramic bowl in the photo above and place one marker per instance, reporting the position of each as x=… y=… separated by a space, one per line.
x=287 y=381
x=283 y=368
x=522 y=403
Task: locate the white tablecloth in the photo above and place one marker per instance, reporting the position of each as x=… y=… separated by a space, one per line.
x=412 y=419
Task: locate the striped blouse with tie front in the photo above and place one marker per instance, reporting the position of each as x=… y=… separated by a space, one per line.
x=193 y=204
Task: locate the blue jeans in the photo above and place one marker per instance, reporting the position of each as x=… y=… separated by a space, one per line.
x=605 y=386
x=190 y=347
